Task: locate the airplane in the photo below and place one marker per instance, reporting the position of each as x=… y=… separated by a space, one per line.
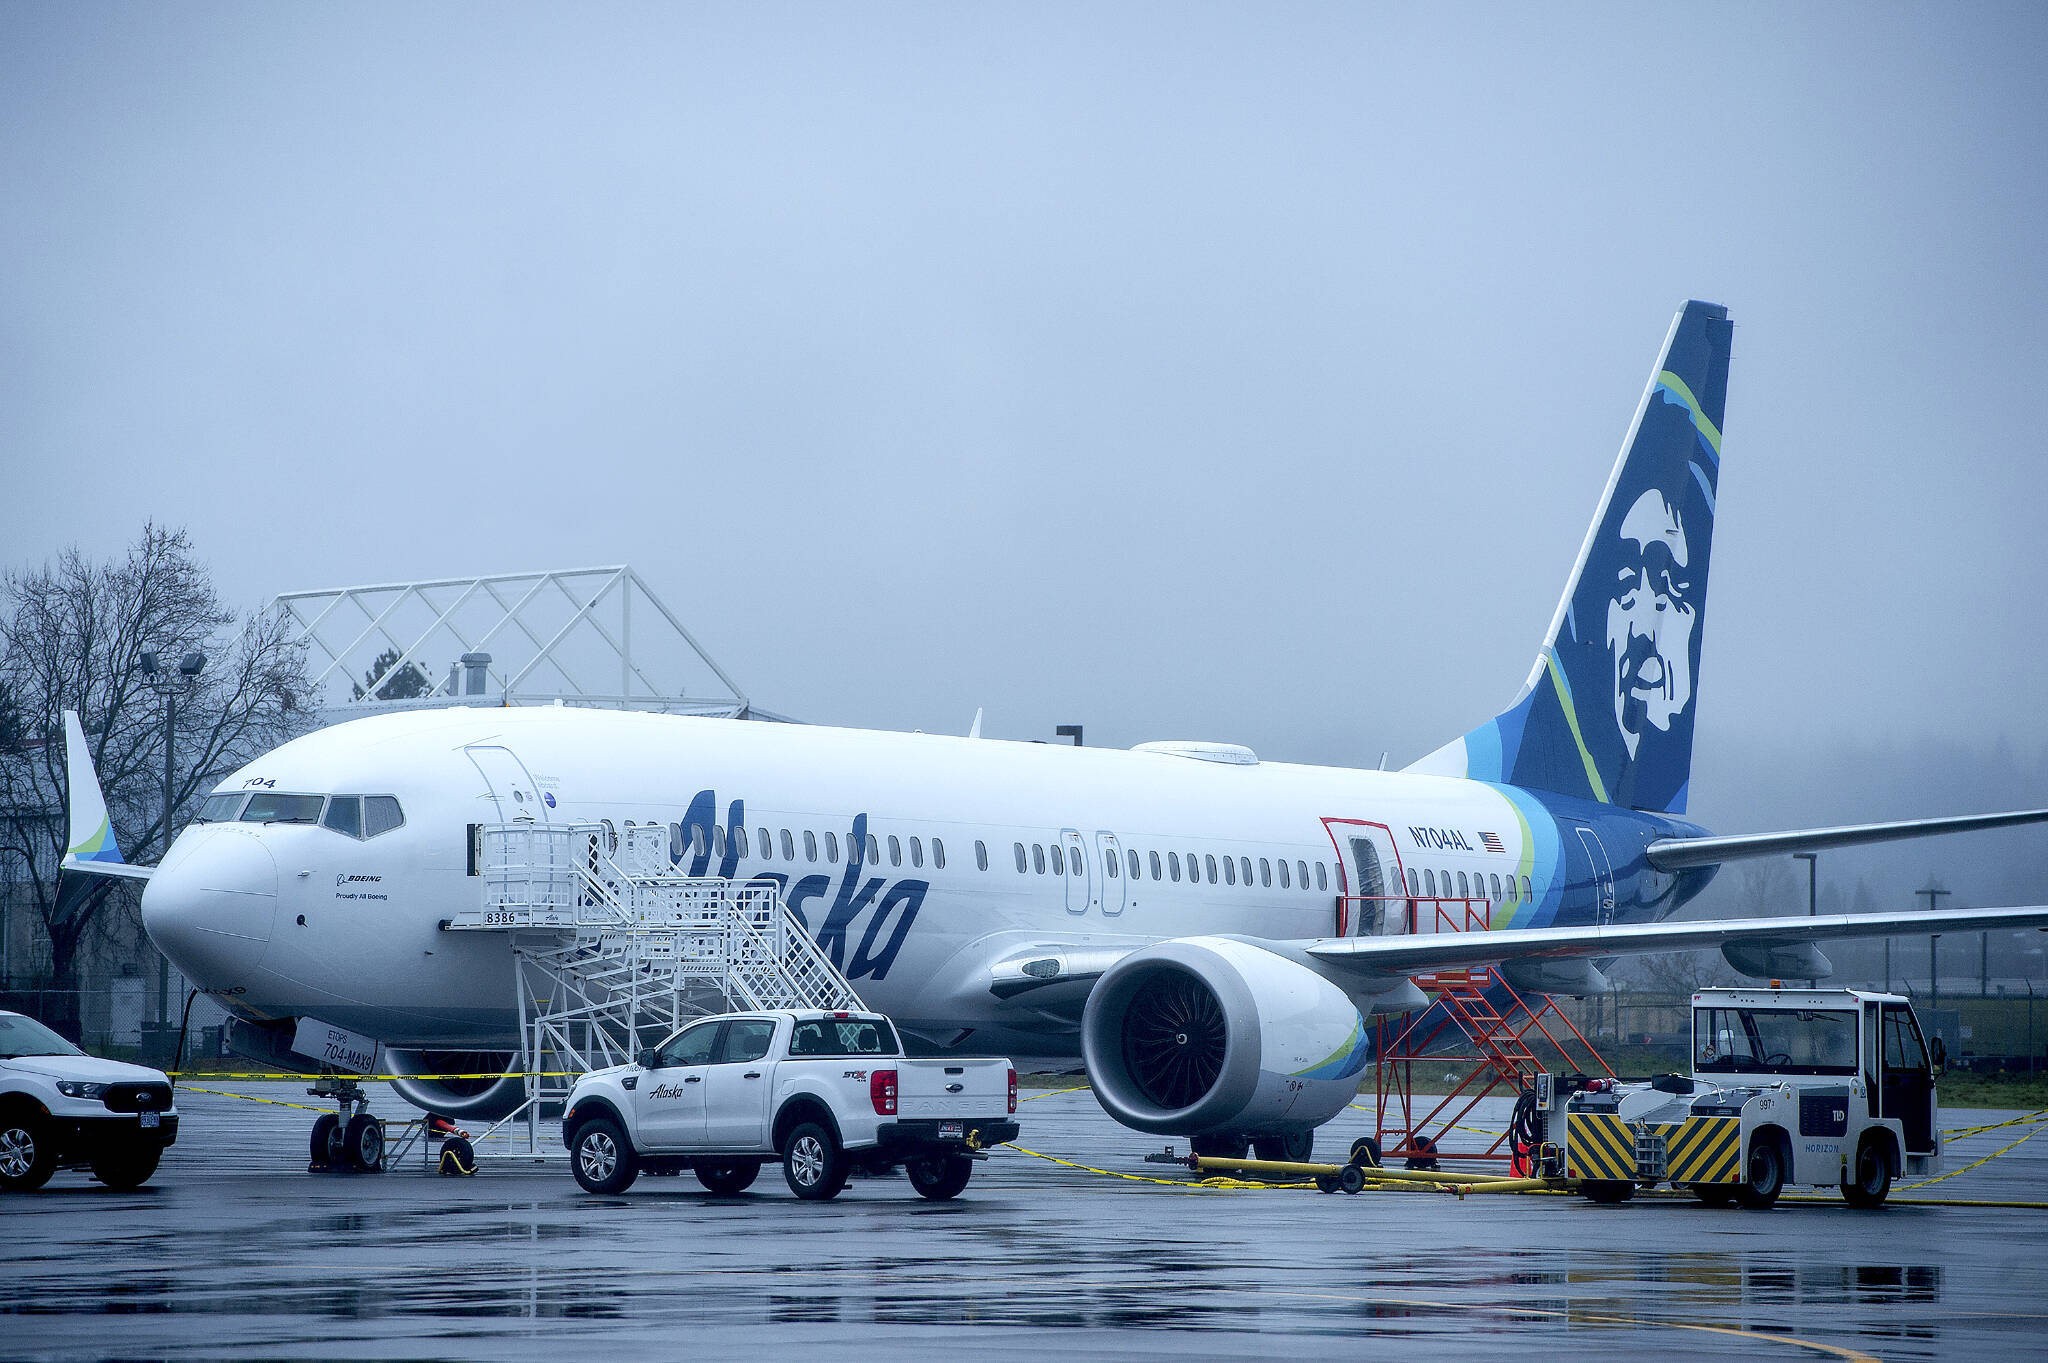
x=1207 y=932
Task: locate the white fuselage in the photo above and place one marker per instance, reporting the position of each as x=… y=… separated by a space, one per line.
x=287 y=919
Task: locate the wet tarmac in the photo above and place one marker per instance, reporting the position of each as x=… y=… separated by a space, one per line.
x=234 y=1251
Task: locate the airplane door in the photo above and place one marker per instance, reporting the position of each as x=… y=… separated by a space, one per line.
x=1603 y=874
x=1373 y=902
x=512 y=787
x=1116 y=890
x=1080 y=875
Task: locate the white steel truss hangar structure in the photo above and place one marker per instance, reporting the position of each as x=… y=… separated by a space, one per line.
x=582 y=636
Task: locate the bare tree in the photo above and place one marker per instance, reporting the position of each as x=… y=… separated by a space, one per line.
x=72 y=635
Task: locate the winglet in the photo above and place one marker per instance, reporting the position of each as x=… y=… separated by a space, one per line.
x=93 y=848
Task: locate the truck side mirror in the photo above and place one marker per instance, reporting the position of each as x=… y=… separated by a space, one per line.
x=649 y=1059
x=1940 y=1055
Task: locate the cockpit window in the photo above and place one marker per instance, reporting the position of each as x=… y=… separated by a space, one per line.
x=266 y=807
x=381 y=814
x=345 y=815
x=221 y=808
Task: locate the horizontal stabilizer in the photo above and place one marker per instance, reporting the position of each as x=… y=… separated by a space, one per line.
x=1677 y=854
x=91 y=847
x=1394 y=957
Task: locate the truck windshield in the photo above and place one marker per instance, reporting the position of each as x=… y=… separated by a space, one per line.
x=1774 y=1041
x=843 y=1036
x=21 y=1036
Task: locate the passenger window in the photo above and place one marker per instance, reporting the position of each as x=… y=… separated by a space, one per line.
x=895 y=851
x=1173 y=865
x=344 y=815
x=1020 y=858
x=765 y=848
x=1038 y=856
x=718 y=840
x=1229 y=871
x=1244 y=869
x=1285 y=883
x=1059 y=861
x=1155 y=868
x=981 y=855
x=832 y=848
x=1265 y=873
x=810 y=845
x=1414 y=883
x=789 y=847
x=1464 y=890
x=916 y=853
x=938 y=855
x=1301 y=873
x=1195 y=869
x=1137 y=870
x=1494 y=881
x=698 y=846
x=874 y=851
x=1322 y=877
x=1109 y=862
x=692 y=1046
x=1526 y=892
x=381 y=814
x=746 y=1039
x=1429 y=883
x=1212 y=867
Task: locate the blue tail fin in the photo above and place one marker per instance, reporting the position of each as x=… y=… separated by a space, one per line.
x=1607 y=712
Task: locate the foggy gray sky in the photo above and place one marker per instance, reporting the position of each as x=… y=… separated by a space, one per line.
x=1244 y=373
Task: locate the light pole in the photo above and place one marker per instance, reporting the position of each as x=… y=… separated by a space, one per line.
x=170 y=686
x=1934 y=897
x=1810 y=858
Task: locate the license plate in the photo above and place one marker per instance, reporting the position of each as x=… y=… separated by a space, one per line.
x=150 y=1119
x=952 y=1130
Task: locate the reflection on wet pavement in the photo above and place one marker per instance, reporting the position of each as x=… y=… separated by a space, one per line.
x=231 y=1253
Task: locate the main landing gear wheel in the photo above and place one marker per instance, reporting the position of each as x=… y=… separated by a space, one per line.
x=1295 y=1147
x=813 y=1164
x=735 y=1176
x=362 y=1143
x=1870 y=1181
x=940 y=1176
x=602 y=1159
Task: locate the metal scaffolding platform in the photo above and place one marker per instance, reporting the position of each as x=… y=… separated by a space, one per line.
x=614 y=950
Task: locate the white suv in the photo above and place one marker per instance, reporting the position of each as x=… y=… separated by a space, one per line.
x=61 y=1108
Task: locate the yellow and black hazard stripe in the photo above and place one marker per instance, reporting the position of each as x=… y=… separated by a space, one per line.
x=1601 y=1146
x=1704 y=1150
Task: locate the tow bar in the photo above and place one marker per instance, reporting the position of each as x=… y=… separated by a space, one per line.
x=1354 y=1178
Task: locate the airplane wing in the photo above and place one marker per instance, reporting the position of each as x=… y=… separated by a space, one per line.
x=92 y=848
x=1400 y=956
x=1676 y=854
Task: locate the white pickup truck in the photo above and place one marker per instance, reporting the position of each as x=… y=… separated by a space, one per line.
x=830 y=1094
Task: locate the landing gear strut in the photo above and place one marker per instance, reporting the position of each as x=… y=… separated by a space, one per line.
x=349 y=1139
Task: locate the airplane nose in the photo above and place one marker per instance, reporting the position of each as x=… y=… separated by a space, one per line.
x=211 y=904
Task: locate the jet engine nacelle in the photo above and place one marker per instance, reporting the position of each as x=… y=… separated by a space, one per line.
x=1211 y=1035
x=488 y=1098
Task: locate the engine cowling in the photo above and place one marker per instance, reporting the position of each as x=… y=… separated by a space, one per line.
x=1206 y=1035
x=487 y=1099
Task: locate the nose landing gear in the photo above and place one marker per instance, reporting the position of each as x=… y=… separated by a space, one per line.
x=348 y=1140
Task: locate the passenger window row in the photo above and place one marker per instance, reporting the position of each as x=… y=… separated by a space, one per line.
x=1425 y=884
x=1202 y=867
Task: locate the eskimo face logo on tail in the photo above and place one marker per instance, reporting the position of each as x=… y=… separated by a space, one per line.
x=1651 y=622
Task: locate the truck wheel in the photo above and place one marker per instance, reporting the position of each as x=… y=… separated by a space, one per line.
x=1763 y=1175
x=601 y=1157
x=813 y=1164
x=940 y=1176
x=362 y=1143
x=1870 y=1181
x=28 y=1155
x=325 y=1146
x=735 y=1176
x=130 y=1169
x=1609 y=1190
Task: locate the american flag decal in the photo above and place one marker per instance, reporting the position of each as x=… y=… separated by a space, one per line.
x=1492 y=841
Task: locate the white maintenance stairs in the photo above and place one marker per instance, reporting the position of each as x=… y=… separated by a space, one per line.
x=613 y=948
